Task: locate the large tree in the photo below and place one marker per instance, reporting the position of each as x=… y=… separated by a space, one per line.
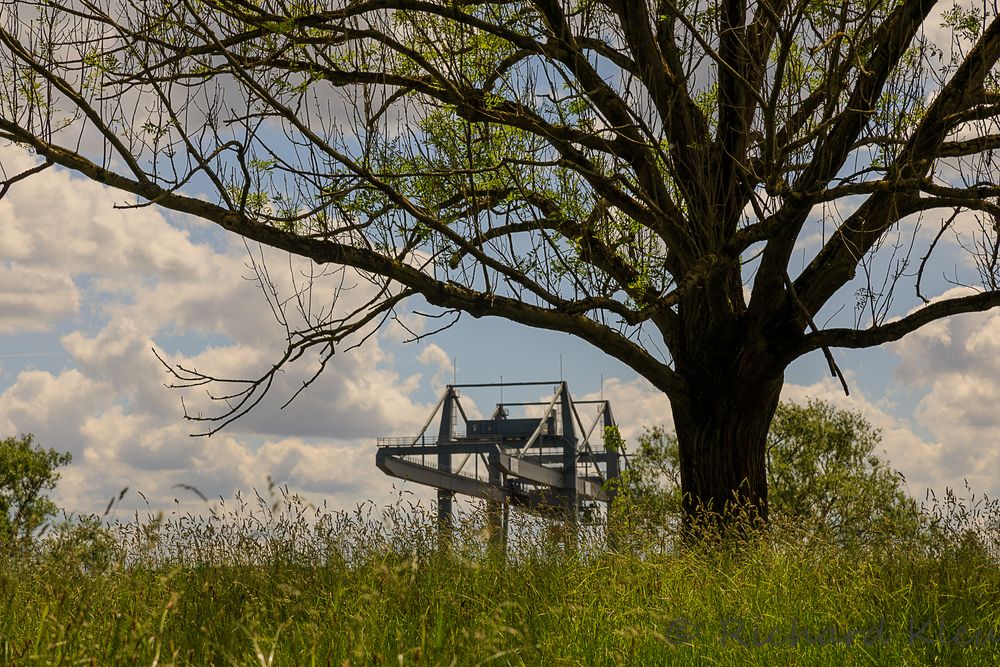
x=685 y=185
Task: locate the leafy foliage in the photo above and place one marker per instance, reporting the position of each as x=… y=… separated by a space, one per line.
x=823 y=466
x=27 y=472
x=823 y=470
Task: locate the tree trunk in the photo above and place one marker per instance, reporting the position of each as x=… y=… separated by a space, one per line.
x=733 y=364
x=733 y=372
x=722 y=435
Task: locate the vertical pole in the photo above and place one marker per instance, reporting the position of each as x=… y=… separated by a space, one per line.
x=446 y=435
x=569 y=462
x=506 y=522
x=494 y=508
x=613 y=465
x=613 y=475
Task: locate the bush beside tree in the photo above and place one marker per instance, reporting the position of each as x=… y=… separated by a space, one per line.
x=27 y=474
x=823 y=471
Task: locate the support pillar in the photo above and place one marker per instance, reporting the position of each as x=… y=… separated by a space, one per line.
x=571 y=502
x=446 y=435
x=613 y=476
x=613 y=467
x=496 y=523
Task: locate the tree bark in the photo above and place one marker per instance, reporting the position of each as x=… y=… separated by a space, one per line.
x=722 y=435
x=733 y=370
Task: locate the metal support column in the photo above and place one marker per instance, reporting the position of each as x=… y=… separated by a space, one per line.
x=496 y=509
x=528 y=462
x=613 y=469
x=446 y=436
x=613 y=475
x=569 y=453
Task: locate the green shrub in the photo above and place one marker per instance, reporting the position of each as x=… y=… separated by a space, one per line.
x=27 y=473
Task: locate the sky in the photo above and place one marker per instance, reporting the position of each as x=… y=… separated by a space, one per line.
x=88 y=292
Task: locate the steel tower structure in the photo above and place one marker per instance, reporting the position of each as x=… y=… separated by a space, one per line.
x=549 y=464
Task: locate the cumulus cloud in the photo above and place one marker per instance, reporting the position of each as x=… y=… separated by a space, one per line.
x=444 y=368
x=958 y=361
x=121 y=283
x=32 y=299
x=54 y=405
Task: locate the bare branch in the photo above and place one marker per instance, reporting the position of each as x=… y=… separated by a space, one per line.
x=893 y=331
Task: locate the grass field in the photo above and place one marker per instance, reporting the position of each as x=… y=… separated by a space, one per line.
x=279 y=582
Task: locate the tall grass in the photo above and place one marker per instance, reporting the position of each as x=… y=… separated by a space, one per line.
x=275 y=581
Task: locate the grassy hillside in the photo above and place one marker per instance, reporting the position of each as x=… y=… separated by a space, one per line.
x=286 y=584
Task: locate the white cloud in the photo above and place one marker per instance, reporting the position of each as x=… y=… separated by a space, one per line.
x=146 y=283
x=444 y=368
x=959 y=362
x=43 y=403
x=32 y=299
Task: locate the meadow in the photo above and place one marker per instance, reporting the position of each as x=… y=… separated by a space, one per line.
x=275 y=581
